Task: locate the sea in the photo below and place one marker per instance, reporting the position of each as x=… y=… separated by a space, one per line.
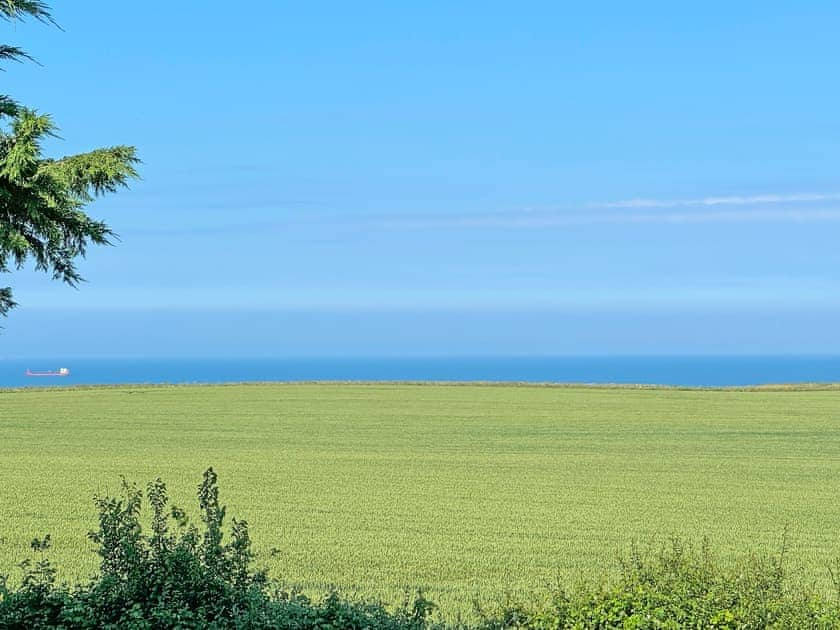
x=698 y=371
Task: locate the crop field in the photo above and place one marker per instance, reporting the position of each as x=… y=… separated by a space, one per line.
x=466 y=491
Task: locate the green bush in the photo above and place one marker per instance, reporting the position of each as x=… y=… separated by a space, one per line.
x=180 y=576
x=679 y=587
x=184 y=578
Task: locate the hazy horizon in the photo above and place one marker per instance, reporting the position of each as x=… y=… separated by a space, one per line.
x=399 y=333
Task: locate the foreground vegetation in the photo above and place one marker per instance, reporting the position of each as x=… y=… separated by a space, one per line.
x=192 y=578
x=469 y=493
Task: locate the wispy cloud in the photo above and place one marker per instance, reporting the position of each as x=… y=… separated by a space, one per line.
x=718 y=201
x=765 y=208
x=614 y=218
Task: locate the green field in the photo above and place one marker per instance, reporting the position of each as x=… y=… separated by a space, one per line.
x=463 y=490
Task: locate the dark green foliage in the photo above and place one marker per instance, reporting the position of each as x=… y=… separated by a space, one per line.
x=182 y=576
x=179 y=577
x=41 y=199
x=171 y=578
x=19 y=9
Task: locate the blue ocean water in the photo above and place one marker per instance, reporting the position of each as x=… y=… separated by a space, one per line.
x=662 y=370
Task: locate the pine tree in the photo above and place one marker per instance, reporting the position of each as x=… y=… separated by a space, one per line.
x=42 y=199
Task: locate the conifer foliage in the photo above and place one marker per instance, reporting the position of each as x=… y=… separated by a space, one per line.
x=42 y=199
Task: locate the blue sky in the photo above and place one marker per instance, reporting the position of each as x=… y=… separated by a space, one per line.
x=429 y=178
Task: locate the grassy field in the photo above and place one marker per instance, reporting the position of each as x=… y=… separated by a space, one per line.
x=463 y=490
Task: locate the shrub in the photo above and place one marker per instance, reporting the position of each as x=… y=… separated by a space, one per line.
x=680 y=587
x=183 y=576
x=179 y=577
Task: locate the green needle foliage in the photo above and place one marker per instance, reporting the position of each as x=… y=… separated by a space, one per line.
x=42 y=199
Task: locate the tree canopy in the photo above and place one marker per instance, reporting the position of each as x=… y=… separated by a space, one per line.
x=42 y=199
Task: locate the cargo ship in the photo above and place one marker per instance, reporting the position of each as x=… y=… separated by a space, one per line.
x=58 y=372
